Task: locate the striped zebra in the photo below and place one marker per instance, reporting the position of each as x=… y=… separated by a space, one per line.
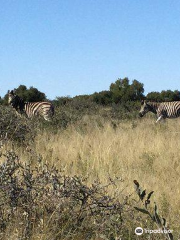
x=30 y=109
x=162 y=110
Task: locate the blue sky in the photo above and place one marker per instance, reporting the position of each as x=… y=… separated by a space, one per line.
x=72 y=47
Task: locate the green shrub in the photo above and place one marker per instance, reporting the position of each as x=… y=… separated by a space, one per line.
x=15 y=128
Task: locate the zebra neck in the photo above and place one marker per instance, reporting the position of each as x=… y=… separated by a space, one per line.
x=153 y=106
x=18 y=104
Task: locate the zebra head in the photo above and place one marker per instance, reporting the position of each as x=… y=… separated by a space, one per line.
x=144 y=108
x=11 y=96
x=13 y=99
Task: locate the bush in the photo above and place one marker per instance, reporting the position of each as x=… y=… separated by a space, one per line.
x=40 y=199
x=126 y=110
x=15 y=128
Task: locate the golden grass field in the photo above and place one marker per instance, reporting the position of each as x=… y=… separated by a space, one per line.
x=139 y=149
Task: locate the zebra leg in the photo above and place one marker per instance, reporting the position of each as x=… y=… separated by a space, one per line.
x=49 y=114
x=159 y=118
x=18 y=114
x=47 y=118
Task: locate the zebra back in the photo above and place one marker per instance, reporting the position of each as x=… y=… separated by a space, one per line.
x=169 y=109
x=44 y=109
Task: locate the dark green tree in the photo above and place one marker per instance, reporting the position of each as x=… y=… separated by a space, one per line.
x=22 y=91
x=29 y=95
x=154 y=96
x=104 y=97
x=165 y=95
x=136 y=90
x=34 y=95
x=120 y=90
x=169 y=95
x=123 y=91
x=176 y=95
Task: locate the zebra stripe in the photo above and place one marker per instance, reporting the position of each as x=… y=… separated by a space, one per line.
x=162 y=110
x=30 y=109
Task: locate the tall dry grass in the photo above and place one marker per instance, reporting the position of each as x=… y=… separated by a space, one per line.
x=141 y=150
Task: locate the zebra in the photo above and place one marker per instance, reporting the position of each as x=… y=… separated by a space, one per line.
x=163 y=110
x=30 y=109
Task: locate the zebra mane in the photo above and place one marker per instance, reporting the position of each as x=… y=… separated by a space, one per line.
x=153 y=106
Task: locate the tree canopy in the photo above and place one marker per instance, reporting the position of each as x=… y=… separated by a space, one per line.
x=29 y=95
x=121 y=91
x=167 y=95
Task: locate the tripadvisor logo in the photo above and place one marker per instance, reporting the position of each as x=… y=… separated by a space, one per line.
x=138 y=231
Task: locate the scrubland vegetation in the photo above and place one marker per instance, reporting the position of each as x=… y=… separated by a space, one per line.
x=83 y=175
x=72 y=178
